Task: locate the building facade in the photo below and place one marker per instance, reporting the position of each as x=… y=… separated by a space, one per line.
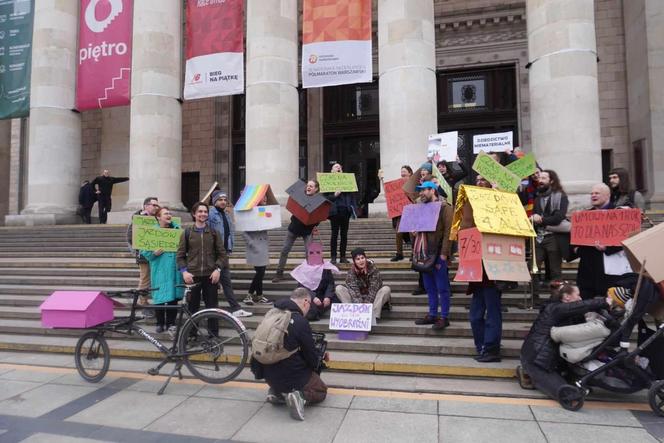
x=579 y=82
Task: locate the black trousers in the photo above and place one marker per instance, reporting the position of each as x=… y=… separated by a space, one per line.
x=339 y=223
x=547 y=382
x=256 y=286
x=210 y=297
x=166 y=316
x=104 y=203
x=86 y=215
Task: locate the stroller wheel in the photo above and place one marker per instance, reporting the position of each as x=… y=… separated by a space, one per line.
x=571 y=397
x=656 y=397
x=524 y=380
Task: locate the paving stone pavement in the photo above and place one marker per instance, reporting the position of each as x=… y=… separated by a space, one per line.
x=54 y=405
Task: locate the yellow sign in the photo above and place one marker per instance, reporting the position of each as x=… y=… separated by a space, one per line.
x=493 y=212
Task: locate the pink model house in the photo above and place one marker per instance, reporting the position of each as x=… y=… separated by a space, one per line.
x=77 y=309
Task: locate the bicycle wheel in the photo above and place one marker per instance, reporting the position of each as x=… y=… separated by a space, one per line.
x=216 y=346
x=92 y=356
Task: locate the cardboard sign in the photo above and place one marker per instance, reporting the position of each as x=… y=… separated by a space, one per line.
x=252 y=195
x=449 y=194
x=470 y=255
x=396 y=197
x=498 y=142
x=258 y=218
x=504 y=258
x=420 y=217
x=496 y=173
x=443 y=146
x=149 y=238
x=148 y=220
x=492 y=211
x=647 y=246
x=604 y=227
x=336 y=181
x=351 y=316
x=309 y=209
x=524 y=167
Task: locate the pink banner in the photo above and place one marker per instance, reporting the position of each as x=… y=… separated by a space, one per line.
x=104 y=54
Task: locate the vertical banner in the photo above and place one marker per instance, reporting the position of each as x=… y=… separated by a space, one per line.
x=336 y=42
x=104 y=54
x=215 y=48
x=16 y=18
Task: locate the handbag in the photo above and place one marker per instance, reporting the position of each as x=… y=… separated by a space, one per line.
x=422 y=261
x=564 y=227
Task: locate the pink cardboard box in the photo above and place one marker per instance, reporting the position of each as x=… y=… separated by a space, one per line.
x=77 y=309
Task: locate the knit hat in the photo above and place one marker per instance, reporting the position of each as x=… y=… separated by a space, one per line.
x=357 y=251
x=619 y=295
x=426 y=166
x=216 y=195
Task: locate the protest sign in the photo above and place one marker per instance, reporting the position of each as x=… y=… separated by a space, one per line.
x=148 y=220
x=492 y=211
x=336 y=181
x=351 y=316
x=647 y=246
x=309 y=209
x=604 y=227
x=496 y=173
x=150 y=238
x=252 y=195
x=498 y=142
x=470 y=255
x=258 y=218
x=395 y=196
x=524 y=167
x=443 y=147
x=449 y=194
x=420 y=217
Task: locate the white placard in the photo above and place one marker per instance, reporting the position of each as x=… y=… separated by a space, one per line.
x=616 y=264
x=497 y=142
x=443 y=146
x=351 y=316
x=258 y=218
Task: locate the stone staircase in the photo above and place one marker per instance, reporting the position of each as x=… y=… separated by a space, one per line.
x=34 y=262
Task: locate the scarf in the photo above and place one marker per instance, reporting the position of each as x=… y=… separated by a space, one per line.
x=310 y=276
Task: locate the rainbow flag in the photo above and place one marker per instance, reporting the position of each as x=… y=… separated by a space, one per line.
x=251 y=196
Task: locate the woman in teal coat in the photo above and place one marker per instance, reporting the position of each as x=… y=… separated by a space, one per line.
x=165 y=276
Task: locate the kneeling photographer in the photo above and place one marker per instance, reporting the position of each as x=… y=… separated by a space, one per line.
x=286 y=355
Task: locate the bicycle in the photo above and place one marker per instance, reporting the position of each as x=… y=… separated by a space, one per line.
x=208 y=342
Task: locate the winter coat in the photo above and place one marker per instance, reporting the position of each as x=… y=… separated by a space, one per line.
x=202 y=253
x=324 y=290
x=258 y=248
x=164 y=274
x=300 y=229
x=343 y=205
x=217 y=223
x=87 y=196
x=438 y=241
x=633 y=199
x=363 y=287
x=295 y=371
x=538 y=347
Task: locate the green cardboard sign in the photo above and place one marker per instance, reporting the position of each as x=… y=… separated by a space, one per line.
x=150 y=238
x=443 y=183
x=147 y=220
x=524 y=167
x=15 y=57
x=336 y=181
x=496 y=173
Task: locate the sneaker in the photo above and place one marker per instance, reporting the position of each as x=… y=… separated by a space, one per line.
x=277 y=278
x=295 y=404
x=275 y=398
x=427 y=320
x=440 y=324
x=419 y=291
x=242 y=313
x=159 y=329
x=248 y=300
x=261 y=300
x=344 y=260
x=397 y=257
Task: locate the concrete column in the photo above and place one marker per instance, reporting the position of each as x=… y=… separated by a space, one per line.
x=54 y=146
x=407 y=85
x=271 y=98
x=17 y=177
x=315 y=141
x=564 y=102
x=155 y=137
x=5 y=150
x=114 y=154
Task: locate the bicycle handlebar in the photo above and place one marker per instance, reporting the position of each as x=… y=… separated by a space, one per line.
x=186 y=286
x=131 y=292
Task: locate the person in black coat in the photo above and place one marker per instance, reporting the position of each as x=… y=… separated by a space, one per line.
x=104 y=188
x=86 y=200
x=323 y=297
x=539 y=353
x=343 y=208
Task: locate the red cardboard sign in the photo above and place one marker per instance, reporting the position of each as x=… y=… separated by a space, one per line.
x=470 y=255
x=396 y=197
x=604 y=227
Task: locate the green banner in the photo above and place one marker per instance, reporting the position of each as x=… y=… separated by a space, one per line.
x=496 y=173
x=336 y=181
x=443 y=183
x=525 y=166
x=147 y=238
x=147 y=220
x=16 y=18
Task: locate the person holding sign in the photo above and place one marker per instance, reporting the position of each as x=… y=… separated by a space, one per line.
x=343 y=207
x=406 y=173
x=258 y=256
x=150 y=206
x=431 y=252
x=164 y=276
x=364 y=285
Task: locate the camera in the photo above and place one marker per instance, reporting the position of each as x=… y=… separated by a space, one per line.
x=320 y=346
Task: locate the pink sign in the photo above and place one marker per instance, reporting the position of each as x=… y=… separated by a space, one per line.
x=104 y=54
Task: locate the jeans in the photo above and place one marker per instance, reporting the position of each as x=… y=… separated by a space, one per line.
x=339 y=223
x=226 y=285
x=166 y=316
x=104 y=204
x=288 y=245
x=256 y=286
x=486 y=319
x=437 y=285
x=209 y=293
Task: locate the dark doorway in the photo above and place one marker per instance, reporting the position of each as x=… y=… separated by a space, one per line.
x=191 y=189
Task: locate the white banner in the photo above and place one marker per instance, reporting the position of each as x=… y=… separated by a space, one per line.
x=498 y=142
x=336 y=63
x=258 y=218
x=351 y=316
x=443 y=147
x=214 y=75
